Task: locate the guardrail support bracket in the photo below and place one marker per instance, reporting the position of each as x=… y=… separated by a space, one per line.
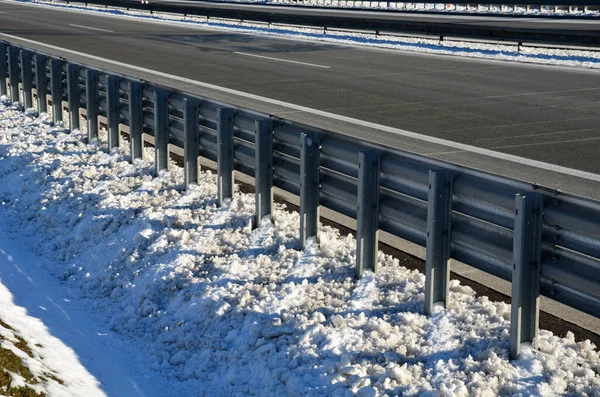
x=91 y=94
x=27 y=78
x=263 y=170
x=309 y=187
x=439 y=224
x=13 y=73
x=41 y=83
x=527 y=248
x=73 y=95
x=225 y=154
x=56 y=89
x=113 y=102
x=161 y=130
x=367 y=231
x=136 y=120
x=190 y=144
x=3 y=71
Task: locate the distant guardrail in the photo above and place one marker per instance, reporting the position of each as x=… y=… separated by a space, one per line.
x=566 y=6
x=378 y=22
x=543 y=241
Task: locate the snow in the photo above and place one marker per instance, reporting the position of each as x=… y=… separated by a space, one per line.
x=175 y=296
x=505 y=51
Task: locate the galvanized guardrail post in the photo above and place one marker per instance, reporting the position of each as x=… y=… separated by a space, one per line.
x=91 y=96
x=113 y=103
x=27 y=78
x=224 y=154
x=527 y=252
x=263 y=178
x=367 y=230
x=439 y=220
x=41 y=83
x=309 y=187
x=56 y=89
x=190 y=144
x=73 y=95
x=3 y=69
x=13 y=73
x=161 y=130
x=136 y=120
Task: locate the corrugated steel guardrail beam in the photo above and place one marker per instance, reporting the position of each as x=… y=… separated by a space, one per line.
x=469 y=215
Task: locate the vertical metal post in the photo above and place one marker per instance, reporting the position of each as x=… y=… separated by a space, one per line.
x=527 y=252
x=41 y=83
x=56 y=89
x=190 y=144
x=367 y=231
x=161 y=130
x=113 y=103
x=309 y=187
x=225 y=154
x=27 y=78
x=73 y=95
x=3 y=69
x=439 y=224
x=13 y=73
x=136 y=120
x=91 y=95
x=263 y=170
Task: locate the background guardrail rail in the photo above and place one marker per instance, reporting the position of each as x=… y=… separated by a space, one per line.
x=543 y=241
x=389 y=22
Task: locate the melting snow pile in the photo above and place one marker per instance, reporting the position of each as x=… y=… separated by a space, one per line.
x=232 y=311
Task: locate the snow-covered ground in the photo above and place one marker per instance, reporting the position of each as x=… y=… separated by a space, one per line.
x=499 y=51
x=159 y=291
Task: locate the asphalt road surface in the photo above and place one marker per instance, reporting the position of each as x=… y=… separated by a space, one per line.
x=541 y=113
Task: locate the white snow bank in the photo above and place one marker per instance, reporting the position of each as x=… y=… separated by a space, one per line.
x=50 y=360
x=220 y=309
x=498 y=51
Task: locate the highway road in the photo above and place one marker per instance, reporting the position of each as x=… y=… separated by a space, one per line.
x=540 y=113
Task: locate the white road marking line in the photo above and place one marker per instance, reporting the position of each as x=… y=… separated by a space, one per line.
x=413 y=135
x=2 y=12
x=282 y=60
x=87 y=27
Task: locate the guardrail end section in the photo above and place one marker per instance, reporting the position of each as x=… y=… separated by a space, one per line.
x=190 y=143
x=367 y=231
x=263 y=170
x=439 y=224
x=224 y=154
x=309 y=187
x=527 y=247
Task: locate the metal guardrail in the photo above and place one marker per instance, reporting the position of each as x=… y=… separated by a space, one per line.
x=541 y=240
x=567 y=4
x=382 y=22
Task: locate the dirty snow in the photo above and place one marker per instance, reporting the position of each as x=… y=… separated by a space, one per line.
x=203 y=305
